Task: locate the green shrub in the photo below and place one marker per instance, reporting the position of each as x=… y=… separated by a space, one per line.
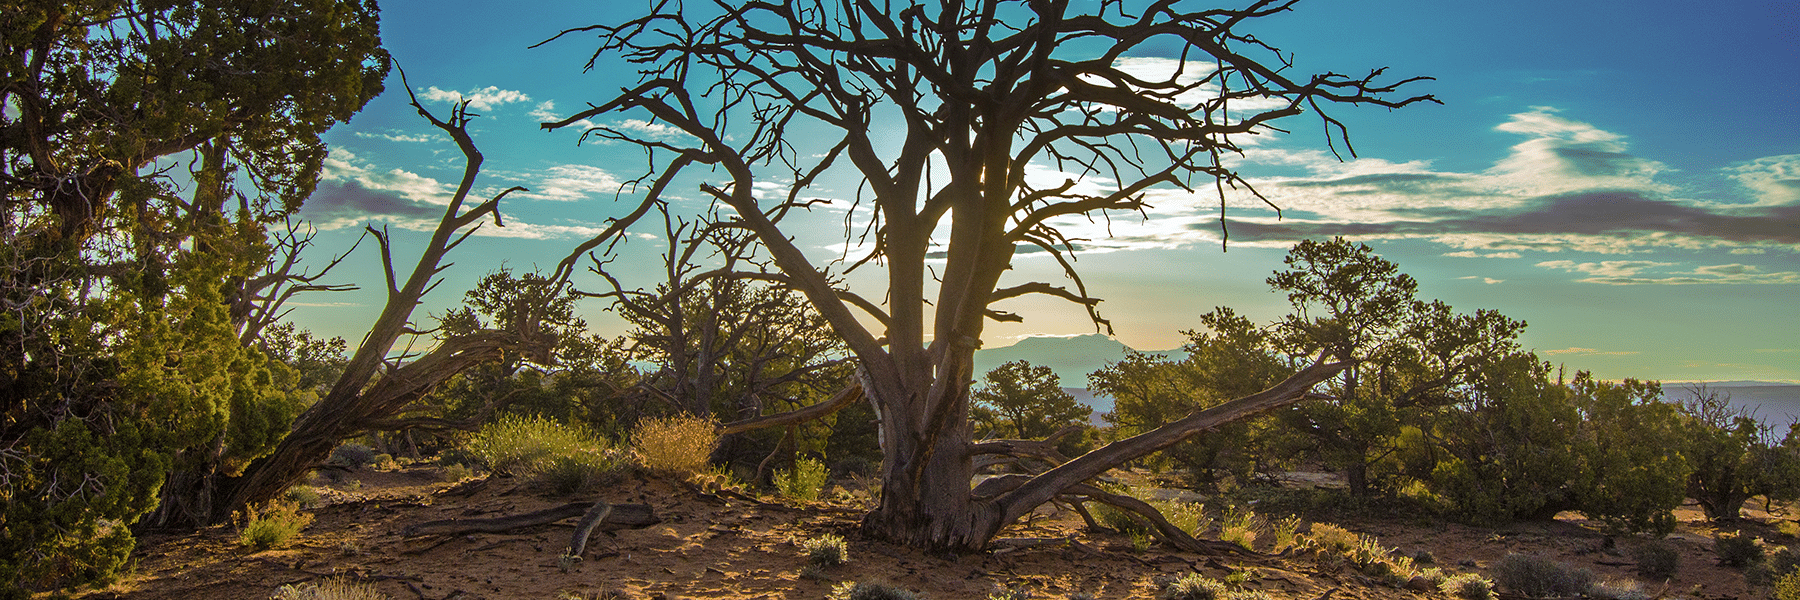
x=353 y=455
x=334 y=588
x=1240 y=527
x=1535 y=576
x=862 y=590
x=302 y=495
x=384 y=462
x=1788 y=587
x=272 y=527
x=1775 y=564
x=1467 y=586
x=1737 y=550
x=456 y=472
x=1283 y=533
x=583 y=470
x=1656 y=559
x=804 y=482
x=517 y=445
x=826 y=550
x=1188 y=516
x=679 y=445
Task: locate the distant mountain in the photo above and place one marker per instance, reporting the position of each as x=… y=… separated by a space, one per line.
x=1072 y=358
x=1776 y=403
x=1100 y=404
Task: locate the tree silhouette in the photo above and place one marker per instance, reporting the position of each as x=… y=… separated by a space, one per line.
x=940 y=110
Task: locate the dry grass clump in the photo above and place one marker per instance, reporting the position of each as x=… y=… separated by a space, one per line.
x=564 y=458
x=1535 y=576
x=335 y=588
x=677 y=445
x=272 y=527
x=826 y=550
x=1467 y=586
x=864 y=590
x=1194 y=586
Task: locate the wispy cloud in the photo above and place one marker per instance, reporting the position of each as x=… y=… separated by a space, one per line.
x=353 y=191
x=394 y=135
x=1486 y=280
x=1633 y=272
x=566 y=183
x=1577 y=351
x=1569 y=186
x=479 y=99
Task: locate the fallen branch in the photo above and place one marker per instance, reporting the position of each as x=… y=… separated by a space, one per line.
x=621 y=516
x=1161 y=526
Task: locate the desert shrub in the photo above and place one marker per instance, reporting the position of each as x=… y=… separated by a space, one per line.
x=864 y=590
x=518 y=445
x=1332 y=538
x=1737 y=550
x=384 y=462
x=802 y=483
x=456 y=472
x=582 y=470
x=1535 y=576
x=353 y=455
x=1617 y=589
x=1362 y=552
x=1775 y=564
x=277 y=523
x=1141 y=541
x=302 y=496
x=1467 y=586
x=1239 y=526
x=826 y=550
x=1656 y=559
x=1011 y=593
x=1188 y=516
x=335 y=588
x=1283 y=533
x=678 y=445
x=1194 y=586
x=1788 y=587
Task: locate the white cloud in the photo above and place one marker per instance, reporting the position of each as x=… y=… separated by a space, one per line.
x=1629 y=272
x=1486 y=280
x=1774 y=180
x=479 y=99
x=344 y=166
x=564 y=183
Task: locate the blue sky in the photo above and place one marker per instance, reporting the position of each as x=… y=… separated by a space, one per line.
x=1624 y=176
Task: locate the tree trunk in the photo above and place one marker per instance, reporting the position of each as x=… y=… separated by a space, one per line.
x=925 y=473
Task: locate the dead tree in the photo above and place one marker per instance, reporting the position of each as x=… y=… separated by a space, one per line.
x=939 y=111
x=377 y=383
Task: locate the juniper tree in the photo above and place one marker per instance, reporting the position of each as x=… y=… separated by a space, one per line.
x=939 y=110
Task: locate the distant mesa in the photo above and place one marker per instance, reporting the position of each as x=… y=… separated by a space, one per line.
x=1073 y=357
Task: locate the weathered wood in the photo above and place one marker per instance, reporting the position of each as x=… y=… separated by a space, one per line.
x=622 y=516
